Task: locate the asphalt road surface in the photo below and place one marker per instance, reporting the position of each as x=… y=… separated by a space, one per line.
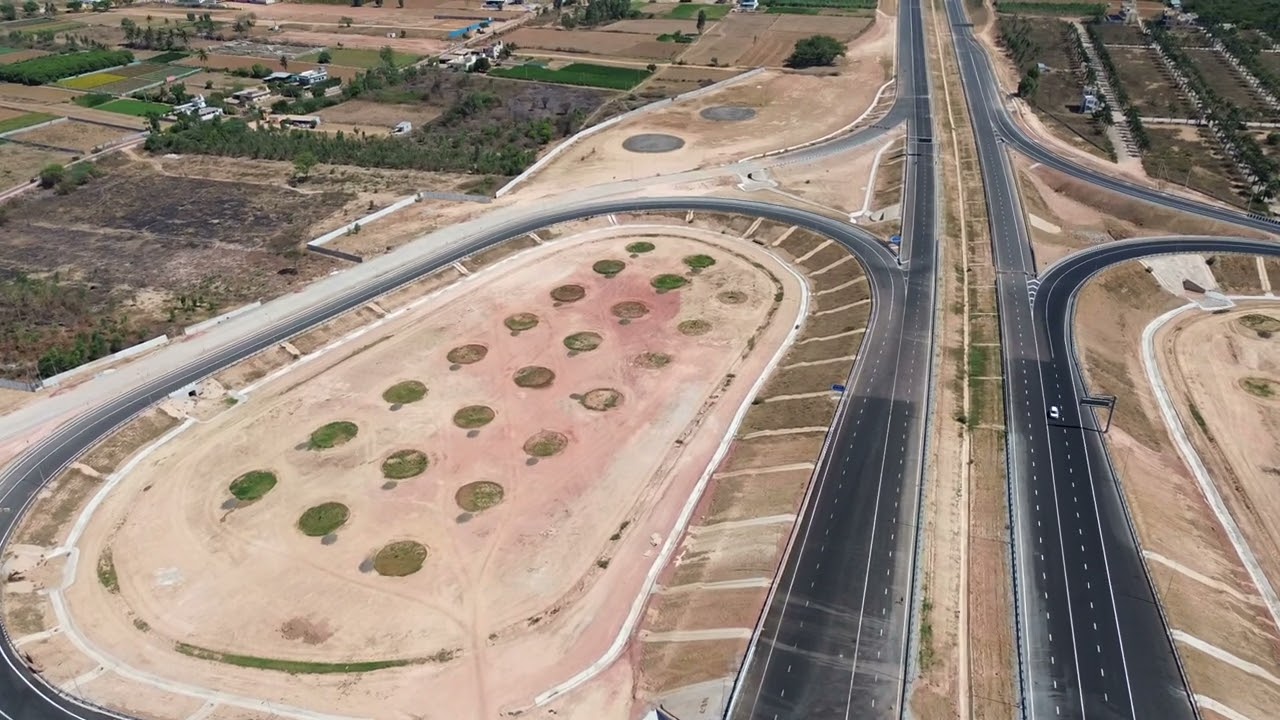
x=835 y=637
x=23 y=696
x=1091 y=640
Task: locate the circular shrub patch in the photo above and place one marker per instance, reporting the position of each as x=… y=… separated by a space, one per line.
x=601 y=399
x=694 y=327
x=699 y=262
x=403 y=464
x=473 y=416
x=253 y=485
x=534 y=376
x=668 y=281
x=323 y=519
x=477 y=496
x=405 y=392
x=608 y=268
x=583 y=341
x=652 y=360
x=521 y=321
x=333 y=435
x=640 y=246
x=568 y=293
x=467 y=354
x=732 y=297
x=630 y=310
x=401 y=558
x=545 y=443
x=1261 y=387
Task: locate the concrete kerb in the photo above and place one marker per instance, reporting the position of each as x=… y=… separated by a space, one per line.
x=1193 y=461
x=691 y=504
x=871 y=182
x=588 y=132
x=205 y=325
x=874 y=102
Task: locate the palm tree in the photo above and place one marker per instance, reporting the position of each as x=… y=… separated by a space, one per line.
x=203 y=55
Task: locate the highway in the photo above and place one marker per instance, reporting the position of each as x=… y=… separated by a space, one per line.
x=835 y=637
x=24 y=697
x=1091 y=639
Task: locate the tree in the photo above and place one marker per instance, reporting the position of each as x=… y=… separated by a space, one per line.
x=387 y=57
x=816 y=51
x=30 y=8
x=75 y=6
x=302 y=164
x=482 y=65
x=8 y=11
x=1030 y=82
x=399 y=3
x=324 y=58
x=51 y=175
x=702 y=21
x=203 y=56
x=1273 y=139
x=284 y=62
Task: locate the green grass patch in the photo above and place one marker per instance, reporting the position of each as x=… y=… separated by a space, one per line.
x=358 y=58
x=689 y=11
x=323 y=519
x=403 y=464
x=397 y=559
x=780 y=10
x=296 y=667
x=979 y=361
x=407 y=391
x=580 y=74
x=521 y=322
x=699 y=262
x=583 y=341
x=640 y=247
x=252 y=485
x=137 y=108
x=534 y=376
x=668 y=282
x=168 y=57
x=26 y=120
x=477 y=496
x=473 y=416
x=677 y=37
x=333 y=434
x=1259 y=387
x=92 y=100
x=608 y=268
x=107 y=572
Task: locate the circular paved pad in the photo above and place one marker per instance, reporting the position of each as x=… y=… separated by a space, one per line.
x=728 y=113
x=652 y=143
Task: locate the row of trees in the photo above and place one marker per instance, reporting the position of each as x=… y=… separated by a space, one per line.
x=1226 y=117
x=816 y=51
x=1248 y=55
x=598 y=12
x=1261 y=14
x=151 y=38
x=30 y=9
x=1131 y=115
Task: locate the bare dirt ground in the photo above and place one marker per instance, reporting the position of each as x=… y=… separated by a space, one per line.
x=837 y=183
x=81 y=137
x=1204 y=589
x=500 y=588
x=1080 y=216
x=375 y=117
x=760 y=39
x=782 y=101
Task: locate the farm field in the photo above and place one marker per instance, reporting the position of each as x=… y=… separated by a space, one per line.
x=137 y=108
x=81 y=137
x=676 y=79
x=376 y=116
x=39 y=25
x=1151 y=89
x=689 y=11
x=1115 y=34
x=20 y=163
x=751 y=40
x=11 y=120
x=1228 y=83
x=607 y=43
x=127 y=79
x=581 y=74
x=1057 y=99
x=443 y=461
x=12 y=55
x=1188 y=156
x=358 y=58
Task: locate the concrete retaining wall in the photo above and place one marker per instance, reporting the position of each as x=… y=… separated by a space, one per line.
x=206 y=324
x=129 y=352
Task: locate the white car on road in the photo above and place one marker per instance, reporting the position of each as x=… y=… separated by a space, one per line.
x=1054 y=413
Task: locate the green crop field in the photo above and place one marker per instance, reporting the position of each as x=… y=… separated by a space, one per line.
x=137 y=108
x=354 y=57
x=90 y=82
x=22 y=121
x=689 y=11
x=43 y=26
x=582 y=74
x=825 y=4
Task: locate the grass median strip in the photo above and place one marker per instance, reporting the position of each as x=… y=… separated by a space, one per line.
x=295 y=667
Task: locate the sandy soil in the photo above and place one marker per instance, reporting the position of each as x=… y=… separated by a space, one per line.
x=783 y=102
x=73 y=135
x=1203 y=587
x=1208 y=359
x=516 y=589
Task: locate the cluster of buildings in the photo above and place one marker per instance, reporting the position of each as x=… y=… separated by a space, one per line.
x=466 y=58
x=306 y=78
x=197 y=108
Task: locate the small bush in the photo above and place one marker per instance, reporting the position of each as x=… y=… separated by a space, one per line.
x=252 y=485
x=323 y=519
x=333 y=434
